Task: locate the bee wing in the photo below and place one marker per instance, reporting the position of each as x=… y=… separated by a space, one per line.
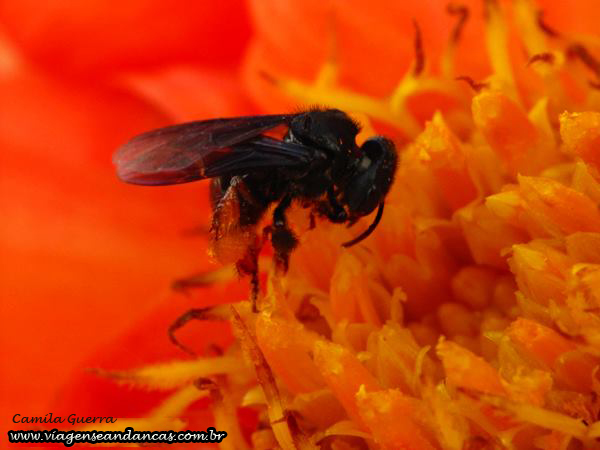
x=259 y=153
x=204 y=149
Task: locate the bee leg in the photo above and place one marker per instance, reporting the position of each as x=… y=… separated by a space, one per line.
x=248 y=265
x=313 y=221
x=254 y=282
x=192 y=314
x=332 y=209
x=282 y=238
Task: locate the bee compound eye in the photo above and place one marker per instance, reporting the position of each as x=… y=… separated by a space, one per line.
x=373 y=149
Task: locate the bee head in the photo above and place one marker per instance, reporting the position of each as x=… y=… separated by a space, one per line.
x=372 y=177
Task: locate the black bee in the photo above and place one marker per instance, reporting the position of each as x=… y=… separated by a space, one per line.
x=317 y=163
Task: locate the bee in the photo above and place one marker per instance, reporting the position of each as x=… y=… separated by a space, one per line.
x=316 y=163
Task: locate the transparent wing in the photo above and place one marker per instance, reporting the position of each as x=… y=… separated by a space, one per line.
x=204 y=149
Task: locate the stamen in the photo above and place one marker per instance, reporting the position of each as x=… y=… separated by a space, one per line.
x=392 y=110
x=447 y=62
x=497 y=45
x=475 y=85
x=381 y=109
x=419 y=53
x=527 y=19
x=582 y=53
x=463 y=15
x=285 y=435
x=545 y=27
x=547 y=58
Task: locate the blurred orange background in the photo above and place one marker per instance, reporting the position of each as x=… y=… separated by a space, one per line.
x=87 y=261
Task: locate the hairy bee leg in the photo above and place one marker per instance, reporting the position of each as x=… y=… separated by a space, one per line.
x=215 y=313
x=255 y=283
x=181 y=321
x=282 y=238
x=248 y=265
x=332 y=209
x=313 y=221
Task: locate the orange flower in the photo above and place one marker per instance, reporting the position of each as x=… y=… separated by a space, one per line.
x=468 y=318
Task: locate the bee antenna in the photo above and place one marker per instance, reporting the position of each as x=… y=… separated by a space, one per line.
x=365 y=234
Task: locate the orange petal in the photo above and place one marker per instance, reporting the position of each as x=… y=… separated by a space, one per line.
x=467 y=370
x=349 y=292
x=441 y=150
x=557 y=208
x=389 y=416
x=474 y=286
x=576 y=370
x=576 y=17
x=584 y=247
x=95 y=36
x=540 y=272
x=478 y=224
x=584 y=286
x=79 y=245
x=397 y=358
x=506 y=128
x=457 y=320
x=286 y=346
x=539 y=341
x=344 y=375
x=580 y=133
x=188 y=93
